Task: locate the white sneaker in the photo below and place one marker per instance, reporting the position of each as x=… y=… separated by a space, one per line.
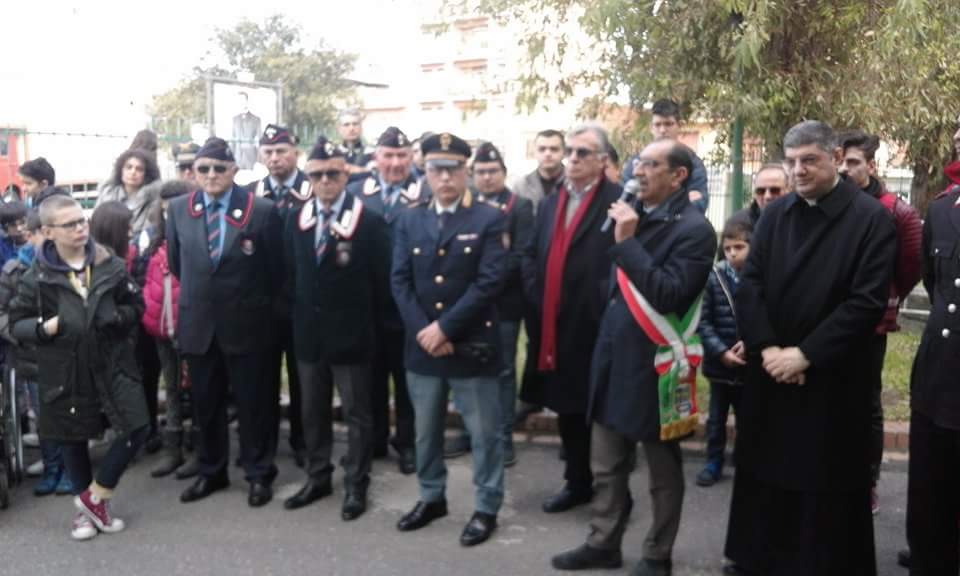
x=31 y=440
x=35 y=469
x=83 y=528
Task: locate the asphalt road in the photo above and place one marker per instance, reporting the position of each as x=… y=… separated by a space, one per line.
x=223 y=536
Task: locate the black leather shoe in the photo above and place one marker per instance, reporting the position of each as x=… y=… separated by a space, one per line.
x=478 y=529
x=422 y=514
x=587 y=558
x=260 y=493
x=407 y=461
x=203 y=487
x=566 y=499
x=312 y=491
x=189 y=469
x=354 y=504
x=648 y=567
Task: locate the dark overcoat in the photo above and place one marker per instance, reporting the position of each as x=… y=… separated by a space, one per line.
x=232 y=300
x=668 y=261
x=451 y=276
x=88 y=368
x=934 y=387
x=585 y=289
x=336 y=301
x=519 y=229
x=818 y=278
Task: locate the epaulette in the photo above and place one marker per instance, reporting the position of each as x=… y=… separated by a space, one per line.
x=416 y=203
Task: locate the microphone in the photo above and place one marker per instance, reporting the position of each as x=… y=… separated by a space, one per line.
x=629 y=195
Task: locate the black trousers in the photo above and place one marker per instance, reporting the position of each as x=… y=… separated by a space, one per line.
x=213 y=376
x=531 y=382
x=878 y=350
x=353 y=383
x=76 y=458
x=283 y=344
x=575 y=435
x=389 y=362
x=149 y=361
x=933 y=501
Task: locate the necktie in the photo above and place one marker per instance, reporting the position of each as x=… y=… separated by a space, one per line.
x=442 y=219
x=213 y=230
x=324 y=234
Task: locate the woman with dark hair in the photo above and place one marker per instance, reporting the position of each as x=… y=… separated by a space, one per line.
x=110 y=226
x=135 y=182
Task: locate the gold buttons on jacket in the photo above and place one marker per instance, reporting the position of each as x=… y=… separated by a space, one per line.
x=441 y=252
x=438 y=305
x=416 y=251
x=468 y=250
x=945 y=333
x=488 y=324
x=952 y=308
x=438 y=279
x=957 y=282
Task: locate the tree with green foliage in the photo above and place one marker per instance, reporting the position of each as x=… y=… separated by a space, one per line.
x=314 y=78
x=771 y=63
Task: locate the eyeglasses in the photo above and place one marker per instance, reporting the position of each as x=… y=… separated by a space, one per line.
x=482 y=173
x=771 y=190
x=331 y=174
x=184 y=167
x=205 y=168
x=581 y=153
x=77 y=224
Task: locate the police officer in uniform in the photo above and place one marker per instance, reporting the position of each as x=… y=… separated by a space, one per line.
x=932 y=505
x=388 y=190
x=338 y=259
x=359 y=155
x=288 y=188
x=489 y=175
x=224 y=246
x=448 y=266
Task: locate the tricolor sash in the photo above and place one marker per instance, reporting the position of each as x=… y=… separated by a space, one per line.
x=679 y=352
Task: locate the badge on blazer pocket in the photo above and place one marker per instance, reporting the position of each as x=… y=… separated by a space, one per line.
x=343 y=254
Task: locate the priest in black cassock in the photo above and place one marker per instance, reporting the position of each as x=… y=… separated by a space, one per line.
x=813 y=289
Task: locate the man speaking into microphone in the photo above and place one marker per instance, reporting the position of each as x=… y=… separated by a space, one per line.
x=644 y=362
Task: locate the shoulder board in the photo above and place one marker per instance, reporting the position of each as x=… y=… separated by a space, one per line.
x=416 y=203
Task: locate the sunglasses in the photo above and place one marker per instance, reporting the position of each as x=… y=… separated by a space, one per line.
x=205 y=168
x=328 y=174
x=581 y=153
x=72 y=225
x=772 y=190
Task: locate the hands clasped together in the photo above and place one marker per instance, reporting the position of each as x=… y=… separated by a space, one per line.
x=786 y=365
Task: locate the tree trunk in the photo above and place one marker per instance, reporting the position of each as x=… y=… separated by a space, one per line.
x=920 y=192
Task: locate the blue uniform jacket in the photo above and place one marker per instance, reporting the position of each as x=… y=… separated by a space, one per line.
x=452 y=276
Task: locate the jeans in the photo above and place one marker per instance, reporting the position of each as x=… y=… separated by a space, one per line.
x=50 y=450
x=480 y=407
x=722 y=397
x=114 y=463
x=507 y=379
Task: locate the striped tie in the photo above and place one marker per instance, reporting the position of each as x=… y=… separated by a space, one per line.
x=324 y=234
x=213 y=230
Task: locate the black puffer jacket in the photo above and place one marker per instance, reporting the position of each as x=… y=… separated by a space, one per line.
x=89 y=365
x=718 y=324
x=23 y=354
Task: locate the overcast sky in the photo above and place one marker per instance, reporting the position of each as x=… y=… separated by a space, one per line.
x=94 y=64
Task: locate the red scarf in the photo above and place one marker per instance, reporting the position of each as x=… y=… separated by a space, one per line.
x=556 y=261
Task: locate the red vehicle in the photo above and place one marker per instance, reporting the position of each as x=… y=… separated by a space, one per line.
x=12 y=153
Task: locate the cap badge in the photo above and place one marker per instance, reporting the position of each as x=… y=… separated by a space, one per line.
x=401 y=140
x=270 y=132
x=445 y=141
x=328 y=147
x=493 y=154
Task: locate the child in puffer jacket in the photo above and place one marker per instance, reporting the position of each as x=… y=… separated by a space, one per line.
x=161 y=292
x=723 y=352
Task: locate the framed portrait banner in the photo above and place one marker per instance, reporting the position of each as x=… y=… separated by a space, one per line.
x=238 y=111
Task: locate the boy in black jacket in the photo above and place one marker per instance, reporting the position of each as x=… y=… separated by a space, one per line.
x=723 y=350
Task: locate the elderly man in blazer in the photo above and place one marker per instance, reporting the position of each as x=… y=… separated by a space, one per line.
x=225 y=247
